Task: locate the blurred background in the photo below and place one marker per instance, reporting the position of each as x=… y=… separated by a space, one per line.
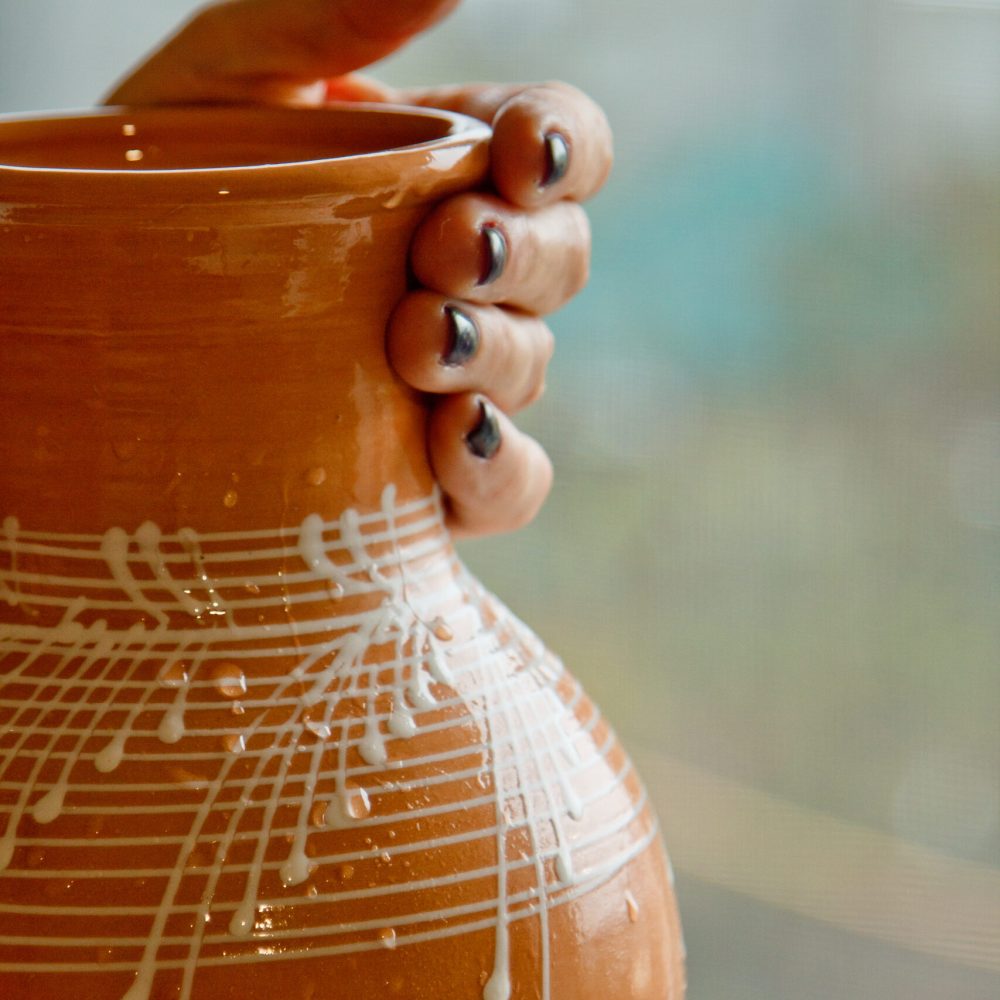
x=773 y=550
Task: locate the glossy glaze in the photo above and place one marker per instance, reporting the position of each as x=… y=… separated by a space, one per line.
x=262 y=733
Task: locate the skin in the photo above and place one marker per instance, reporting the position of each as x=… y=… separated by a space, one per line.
x=306 y=52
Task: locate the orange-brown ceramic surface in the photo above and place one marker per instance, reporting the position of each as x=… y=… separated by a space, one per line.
x=174 y=338
x=261 y=734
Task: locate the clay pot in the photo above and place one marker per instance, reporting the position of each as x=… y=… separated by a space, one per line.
x=262 y=734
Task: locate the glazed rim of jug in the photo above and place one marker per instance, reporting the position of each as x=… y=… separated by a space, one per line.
x=229 y=151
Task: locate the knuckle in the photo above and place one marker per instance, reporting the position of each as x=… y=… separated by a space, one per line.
x=523 y=360
x=534 y=493
x=577 y=273
x=542 y=349
x=547 y=344
x=582 y=222
x=534 y=392
x=580 y=266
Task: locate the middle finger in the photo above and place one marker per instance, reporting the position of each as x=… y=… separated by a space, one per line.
x=477 y=247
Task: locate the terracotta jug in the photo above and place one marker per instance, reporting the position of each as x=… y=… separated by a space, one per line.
x=261 y=733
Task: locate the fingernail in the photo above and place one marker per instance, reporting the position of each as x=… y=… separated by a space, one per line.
x=556 y=158
x=484 y=439
x=496 y=253
x=464 y=335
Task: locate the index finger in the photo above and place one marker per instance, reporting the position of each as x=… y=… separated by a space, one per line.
x=274 y=51
x=550 y=141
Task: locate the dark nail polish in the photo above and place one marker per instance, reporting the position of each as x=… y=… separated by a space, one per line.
x=496 y=253
x=464 y=340
x=484 y=439
x=556 y=158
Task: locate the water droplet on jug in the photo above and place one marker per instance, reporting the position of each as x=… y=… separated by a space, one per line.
x=347 y=807
x=229 y=680
x=441 y=630
x=230 y=498
x=174 y=674
x=387 y=936
x=125 y=448
x=318 y=814
x=319 y=729
x=316 y=476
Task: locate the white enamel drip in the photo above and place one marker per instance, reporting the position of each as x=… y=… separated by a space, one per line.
x=404 y=632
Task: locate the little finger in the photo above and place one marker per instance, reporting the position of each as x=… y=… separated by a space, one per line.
x=495 y=478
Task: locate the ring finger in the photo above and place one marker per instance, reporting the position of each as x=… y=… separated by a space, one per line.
x=440 y=345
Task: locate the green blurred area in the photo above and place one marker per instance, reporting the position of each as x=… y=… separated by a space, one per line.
x=773 y=549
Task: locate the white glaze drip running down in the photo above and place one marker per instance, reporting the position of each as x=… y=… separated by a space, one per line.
x=277 y=700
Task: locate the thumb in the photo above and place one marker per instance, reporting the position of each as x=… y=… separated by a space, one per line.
x=274 y=51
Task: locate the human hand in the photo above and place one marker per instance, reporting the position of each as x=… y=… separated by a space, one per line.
x=492 y=264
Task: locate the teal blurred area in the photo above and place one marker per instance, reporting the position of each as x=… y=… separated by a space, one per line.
x=773 y=549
